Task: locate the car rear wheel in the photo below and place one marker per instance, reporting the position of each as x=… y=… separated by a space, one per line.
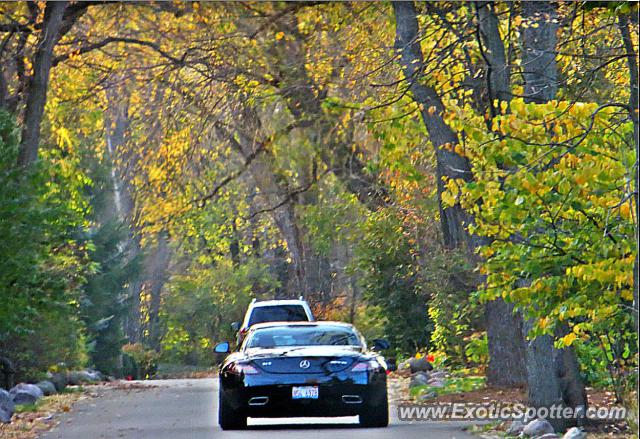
x=375 y=416
x=228 y=417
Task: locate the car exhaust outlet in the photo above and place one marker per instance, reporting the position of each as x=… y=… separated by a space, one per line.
x=259 y=400
x=351 y=399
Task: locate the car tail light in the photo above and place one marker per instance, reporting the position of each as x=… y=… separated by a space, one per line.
x=364 y=366
x=245 y=369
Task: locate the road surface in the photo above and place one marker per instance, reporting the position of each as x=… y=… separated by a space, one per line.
x=174 y=409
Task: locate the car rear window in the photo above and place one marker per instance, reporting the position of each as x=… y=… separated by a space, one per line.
x=303 y=336
x=278 y=313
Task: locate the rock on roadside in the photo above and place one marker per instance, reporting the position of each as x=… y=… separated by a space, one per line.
x=404 y=370
x=420 y=365
x=419 y=379
x=413 y=365
x=58 y=379
x=47 y=387
x=439 y=374
x=26 y=393
x=5 y=417
x=78 y=377
x=435 y=382
x=515 y=428
x=95 y=374
x=7 y=406
x=538 y=427
x=574 y=433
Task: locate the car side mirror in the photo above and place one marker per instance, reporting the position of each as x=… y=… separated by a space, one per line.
x=235 y=326
x=380 y=344
x=222 y=348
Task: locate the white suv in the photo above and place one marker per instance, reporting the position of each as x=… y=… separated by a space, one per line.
x=290 y=310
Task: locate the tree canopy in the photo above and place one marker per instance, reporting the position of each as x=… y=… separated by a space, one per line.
x=439 y=173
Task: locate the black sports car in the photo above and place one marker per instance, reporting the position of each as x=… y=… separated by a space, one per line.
x=303 y=369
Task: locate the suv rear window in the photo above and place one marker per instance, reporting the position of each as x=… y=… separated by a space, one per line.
x=278 y=313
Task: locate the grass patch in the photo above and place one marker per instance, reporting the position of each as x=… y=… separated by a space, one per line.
x=455 y=384
x=72 y=389
x=485 y=428
x=29 y=408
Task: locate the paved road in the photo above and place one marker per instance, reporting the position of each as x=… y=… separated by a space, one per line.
x=177 y=409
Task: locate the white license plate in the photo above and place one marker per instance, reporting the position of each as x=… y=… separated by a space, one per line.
x=304 y=392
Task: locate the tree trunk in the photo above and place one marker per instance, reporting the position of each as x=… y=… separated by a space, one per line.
x=157 y=268
x=275 y=194
x=285 y=219
x=506 y=347
x=492 y=49
x=506 y=351
x=543 y=381
x=539 y=37
x=39 y=82
x=4 y=93
x=116 y=128
x=448 y=163
x=553 y=375
x=341 y=155
x=568 y=370
x=7 y=373
x=623 y=24
x=132 y=320
x=506 y=364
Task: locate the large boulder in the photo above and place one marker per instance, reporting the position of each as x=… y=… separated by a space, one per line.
x=419 y=379
x=575 y=433
x=404 y=369
x=548 y=436
x=47 y=387
x=425 y=396
x=413 y=365
x=436 y=382
x=58 y=379
x=420 y=365
x=96 y=375
x=538 y=427
x=26 y=394
x=77 y=377
x=439 y=374
x=515 y=428
x=5 y=416
x=6 y=403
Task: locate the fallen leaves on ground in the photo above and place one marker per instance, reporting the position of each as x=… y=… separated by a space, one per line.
x=31 y=424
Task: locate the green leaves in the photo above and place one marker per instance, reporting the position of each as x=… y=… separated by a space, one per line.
x=200 y=304
x=41 y=210
x=392 y=281
x=554 y=214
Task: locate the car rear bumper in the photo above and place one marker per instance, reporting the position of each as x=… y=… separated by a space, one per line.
x=335 y=399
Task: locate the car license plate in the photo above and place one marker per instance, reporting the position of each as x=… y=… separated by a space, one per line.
x=304 y=392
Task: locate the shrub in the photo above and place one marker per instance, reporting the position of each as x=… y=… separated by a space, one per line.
x=43 y=266
x=455 y=315
x=391 y=282
x=145 y=360
x=477 y=349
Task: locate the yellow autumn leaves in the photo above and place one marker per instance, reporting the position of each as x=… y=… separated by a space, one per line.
x=551 y=192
